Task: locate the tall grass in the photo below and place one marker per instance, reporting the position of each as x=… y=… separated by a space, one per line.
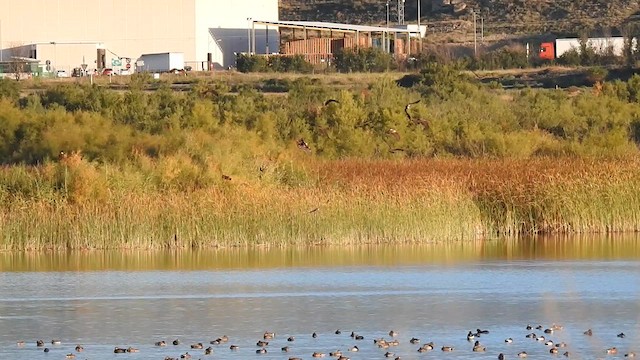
x=82 y=205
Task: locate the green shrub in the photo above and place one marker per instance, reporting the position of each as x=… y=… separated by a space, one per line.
x=362 y=60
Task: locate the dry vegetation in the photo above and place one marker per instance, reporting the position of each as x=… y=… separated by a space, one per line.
x=336 y=202
x=501 y=16
x=206 y=167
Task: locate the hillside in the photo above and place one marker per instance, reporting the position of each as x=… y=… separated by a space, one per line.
x=522 y=17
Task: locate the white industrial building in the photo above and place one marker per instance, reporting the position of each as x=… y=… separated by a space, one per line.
x=67 y=33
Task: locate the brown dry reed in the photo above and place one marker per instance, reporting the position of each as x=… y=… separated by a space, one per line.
x=77 y=204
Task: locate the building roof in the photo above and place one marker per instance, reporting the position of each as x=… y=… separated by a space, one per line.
x=319 y=25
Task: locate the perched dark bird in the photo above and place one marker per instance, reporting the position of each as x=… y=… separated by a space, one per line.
x=303 y=145
x=331 y=101
x=314 y=335
x=338 y=332
x=621 y=335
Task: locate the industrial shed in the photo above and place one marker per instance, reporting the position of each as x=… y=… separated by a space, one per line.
x=318 y=41
x=105 y=33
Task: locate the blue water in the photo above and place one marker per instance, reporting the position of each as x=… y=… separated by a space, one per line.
x=433 y=302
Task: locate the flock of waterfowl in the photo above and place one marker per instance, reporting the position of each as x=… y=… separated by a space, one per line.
x=266 y=345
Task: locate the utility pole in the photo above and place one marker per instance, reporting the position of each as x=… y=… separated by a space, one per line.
x=475 y=35
x=401 y=12
x=419 y=30
x=387 y=40
x=248 y=36
x=482 y=30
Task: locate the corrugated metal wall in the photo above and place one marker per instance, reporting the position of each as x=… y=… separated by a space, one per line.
x=318 y=49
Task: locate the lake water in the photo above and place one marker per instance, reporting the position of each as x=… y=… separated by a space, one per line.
x=435 y=292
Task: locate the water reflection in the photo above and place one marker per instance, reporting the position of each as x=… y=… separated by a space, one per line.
x=436 y=292
x=539 y=248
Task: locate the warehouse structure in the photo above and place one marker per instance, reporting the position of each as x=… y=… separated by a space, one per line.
x=65 y=34
x=318 y=41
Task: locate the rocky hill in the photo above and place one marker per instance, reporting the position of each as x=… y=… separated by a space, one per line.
x=523 y=17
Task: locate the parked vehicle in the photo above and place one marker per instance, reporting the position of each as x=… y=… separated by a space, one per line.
x=162 y=62
x=107 y=72
x=62 y=74
x=555 y=49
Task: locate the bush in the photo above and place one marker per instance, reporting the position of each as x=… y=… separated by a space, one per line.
x=362 y=60
x=274 y=63
x=9 y=90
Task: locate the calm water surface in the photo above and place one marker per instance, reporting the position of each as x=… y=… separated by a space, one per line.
x=434 y=292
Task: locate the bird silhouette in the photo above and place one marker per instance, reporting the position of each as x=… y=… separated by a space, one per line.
x=422 y=122
x=303 y=145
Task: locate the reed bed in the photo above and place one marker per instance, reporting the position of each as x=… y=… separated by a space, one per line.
x=82 y=205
